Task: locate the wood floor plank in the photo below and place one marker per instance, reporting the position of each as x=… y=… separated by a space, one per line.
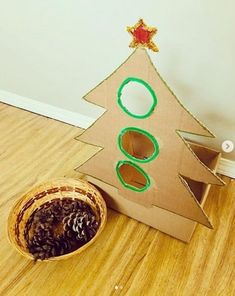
x=129 y=258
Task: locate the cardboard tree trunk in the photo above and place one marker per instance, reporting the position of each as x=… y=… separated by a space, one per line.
x=146 y=169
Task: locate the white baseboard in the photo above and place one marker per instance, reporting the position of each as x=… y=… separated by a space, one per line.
x=226 y=167
x=73 y=118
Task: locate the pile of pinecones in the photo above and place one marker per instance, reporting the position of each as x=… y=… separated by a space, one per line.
x=60 y=227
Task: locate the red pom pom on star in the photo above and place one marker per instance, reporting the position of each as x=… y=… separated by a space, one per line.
x=142 y=35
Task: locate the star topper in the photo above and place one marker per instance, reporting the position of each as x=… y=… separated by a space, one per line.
x=142 y=35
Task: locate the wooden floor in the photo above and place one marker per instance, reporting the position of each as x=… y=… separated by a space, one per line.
x=129 y=258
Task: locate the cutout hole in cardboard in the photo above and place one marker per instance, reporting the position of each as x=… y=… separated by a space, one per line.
x=136 y=98
x=138 y=144
x=132 y=176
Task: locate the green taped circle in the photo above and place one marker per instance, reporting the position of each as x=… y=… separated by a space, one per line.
x=139 y=169
x=145 y=133
x=146 y=85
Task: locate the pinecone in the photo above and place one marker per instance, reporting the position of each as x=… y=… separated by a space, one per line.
x=56 y=209
x=44 y=244
x=45 y=216
x=81 y=225
x=41 y=243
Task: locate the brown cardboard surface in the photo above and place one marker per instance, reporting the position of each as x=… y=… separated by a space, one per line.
x=177 y=162
x=161 y=219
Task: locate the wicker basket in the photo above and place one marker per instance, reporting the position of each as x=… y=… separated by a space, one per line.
x=46 y=192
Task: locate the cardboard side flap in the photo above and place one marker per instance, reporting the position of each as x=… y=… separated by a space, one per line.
x=208 y=156
x=197 y=188
x=197 y=165
x=196 y=191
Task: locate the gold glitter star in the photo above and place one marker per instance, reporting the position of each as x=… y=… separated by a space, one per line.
x=142 y=35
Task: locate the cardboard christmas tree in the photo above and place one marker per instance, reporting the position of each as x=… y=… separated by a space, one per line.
x=146 y=168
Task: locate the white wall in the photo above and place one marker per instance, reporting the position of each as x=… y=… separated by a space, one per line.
x=56 y=51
